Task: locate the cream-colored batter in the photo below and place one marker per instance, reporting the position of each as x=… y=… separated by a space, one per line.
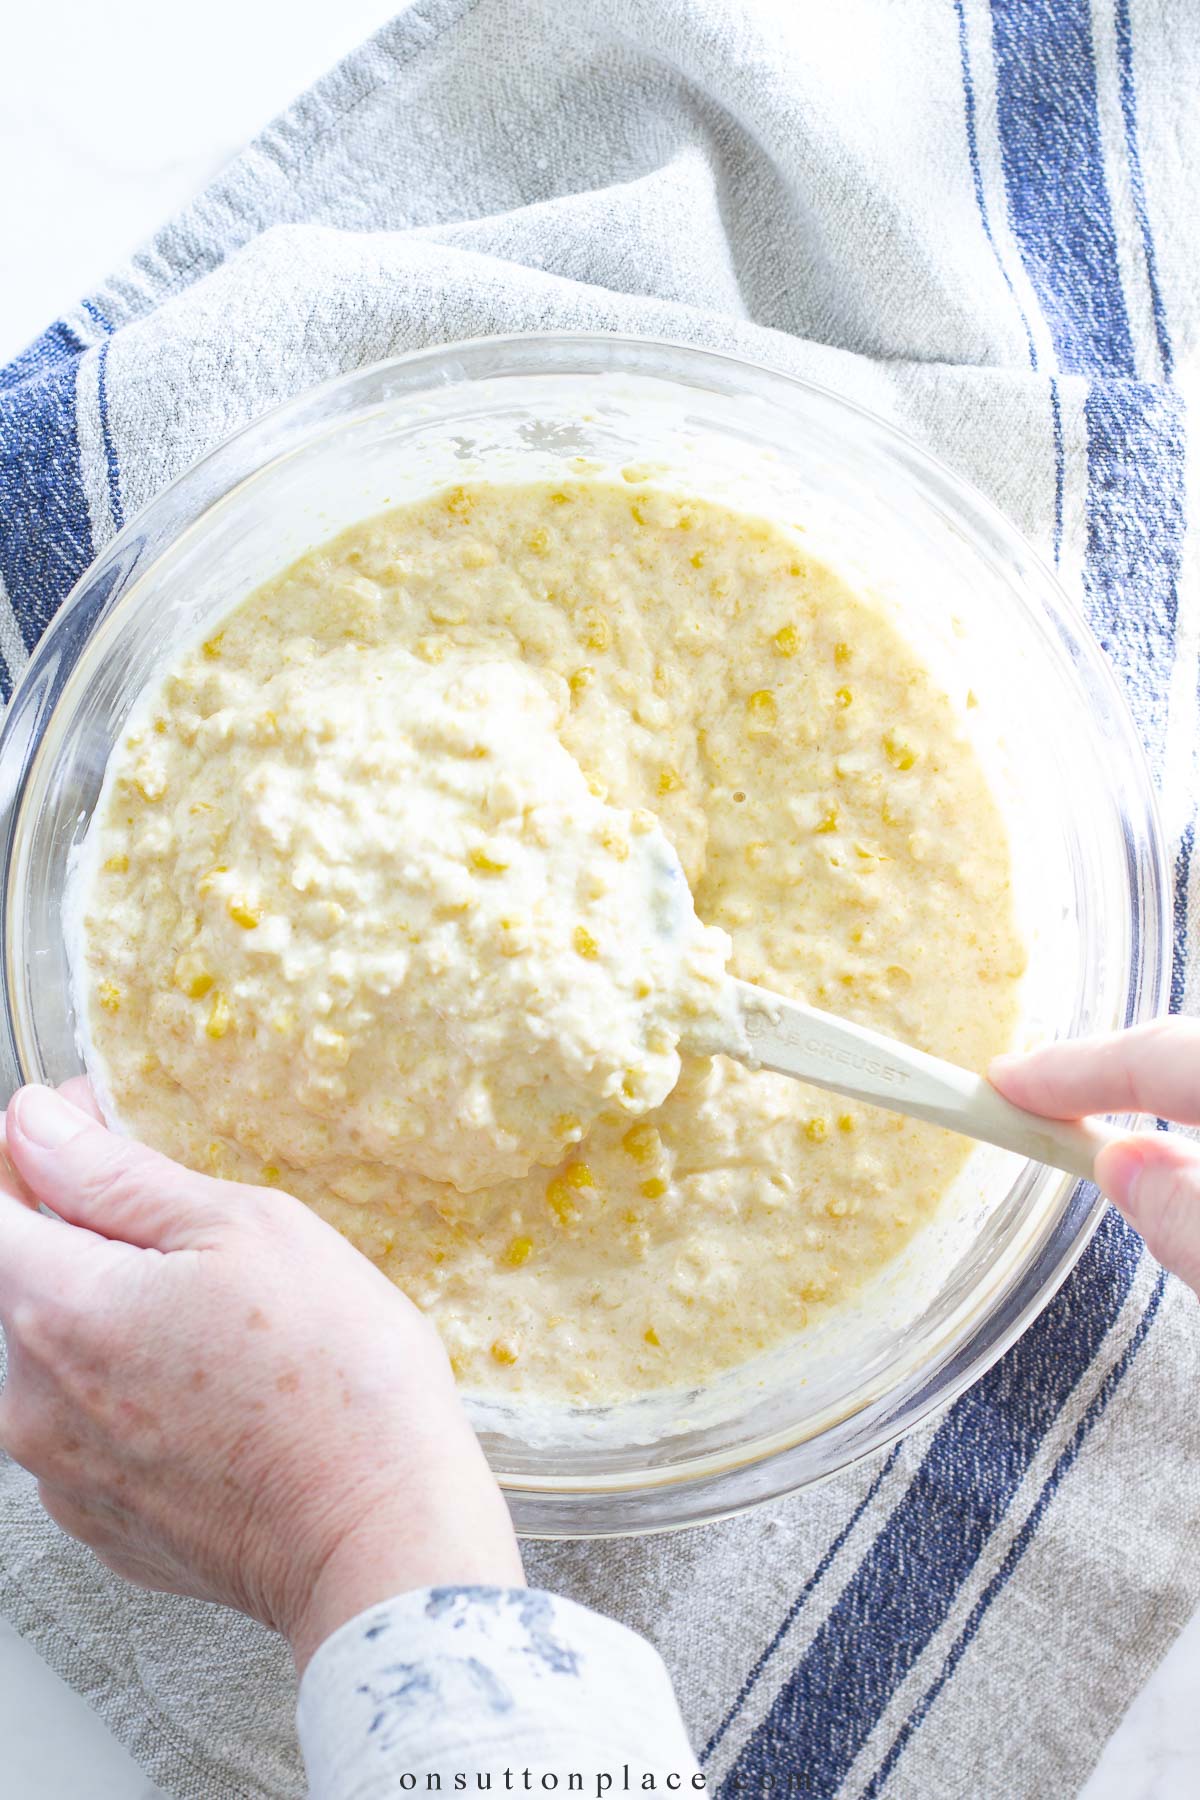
x=375 y=803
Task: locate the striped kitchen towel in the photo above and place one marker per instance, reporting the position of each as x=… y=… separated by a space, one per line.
x=980 y=220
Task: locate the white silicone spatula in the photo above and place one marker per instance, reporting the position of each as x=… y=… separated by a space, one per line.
x=765 y=1031
x=828 y=1052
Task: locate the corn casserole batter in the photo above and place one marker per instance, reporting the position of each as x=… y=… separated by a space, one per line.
x=369 y=902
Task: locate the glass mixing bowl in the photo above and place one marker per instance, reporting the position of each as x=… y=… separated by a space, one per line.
x=1089 y=870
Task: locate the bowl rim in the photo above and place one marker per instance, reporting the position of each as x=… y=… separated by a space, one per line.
x=709 y=1486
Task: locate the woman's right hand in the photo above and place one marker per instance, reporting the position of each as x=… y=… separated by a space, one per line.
x=1154 y=1178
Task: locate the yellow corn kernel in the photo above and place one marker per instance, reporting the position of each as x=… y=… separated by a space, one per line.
x=795 y=568
x=754 y=853
x=567 y=1125
x=199 y=806
x=578 y=1175
x=654 y=1188
x=560 y=1200
x=762 y=708
x=109 y=996
x=504 y=1353
x=828 y=821
x=642 y=990
x=150 y=785
x=518 y=1252
x=845 y=1122
x=596 y=786
x=457 y=1367
x=615 y=843
x=585 y=944
x=513 y=940
x=486 y=865
x=842 y=654
x=641 y=1142
x=786 y=640
x=901 y=756
x=244 y=915
x=641 y=820
x=816 y=1130
x=638 y=513
x=538 y=541
x=697 y=559
x=843 y=696
x=581 y=679
x=160 y=725
x=191 y=977
x=207 y=882
x=669 y=781
x=270 y=1174
x=972 y=697
x=220 y=1018
x=458 y=502
x=212 y=646
x=560 y=499
x=597 y=633
x=117 y=865
x=630 y=1083
x=651 y=1337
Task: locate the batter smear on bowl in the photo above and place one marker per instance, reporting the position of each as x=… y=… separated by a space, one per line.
x=368 y=907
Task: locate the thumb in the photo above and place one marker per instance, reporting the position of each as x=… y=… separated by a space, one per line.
x=91 y=1176
x=1155 y=1181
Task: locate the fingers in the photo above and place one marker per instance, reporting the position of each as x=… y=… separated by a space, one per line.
x=94 y=1178
x=79 y=1092
x=31 y=1249
x=1152 y=1068
x=1155 y=1181
x=11 y=1185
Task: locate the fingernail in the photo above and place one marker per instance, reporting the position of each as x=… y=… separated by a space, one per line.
x=46 y=1119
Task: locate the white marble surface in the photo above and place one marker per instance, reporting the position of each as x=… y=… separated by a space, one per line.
x=99 y=141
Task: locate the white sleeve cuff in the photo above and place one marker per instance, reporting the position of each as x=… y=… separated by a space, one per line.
x=461 y=1681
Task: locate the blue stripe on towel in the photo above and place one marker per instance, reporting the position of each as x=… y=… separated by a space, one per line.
x=794 y=1610
x=1135 y=529
x=1059 y=459
x=1183 y=871
x=59 y=343
x=45 y=536
x=1137 y=184
x=1021 y=1542
x=908 y=1582
x=968 y=84
x=110 y=454
x=1053 y=162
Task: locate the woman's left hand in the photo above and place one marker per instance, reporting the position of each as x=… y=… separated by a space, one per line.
x=221 y=1396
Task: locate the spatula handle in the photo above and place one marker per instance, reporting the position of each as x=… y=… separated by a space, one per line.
x=849 y=1059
